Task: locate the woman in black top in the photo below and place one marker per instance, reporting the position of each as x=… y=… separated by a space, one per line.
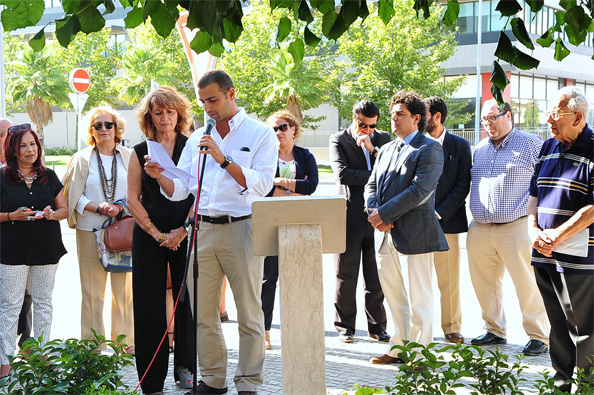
x=159 y=238
x=31 y=204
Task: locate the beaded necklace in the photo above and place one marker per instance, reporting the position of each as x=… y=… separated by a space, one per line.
x=28 y=180
x=108 y=186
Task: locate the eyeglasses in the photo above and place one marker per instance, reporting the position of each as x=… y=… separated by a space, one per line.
x=492 y=118
x=16 y=128
x=555 y=115
x=282 y=127
x=364 y=125
x=99 y=125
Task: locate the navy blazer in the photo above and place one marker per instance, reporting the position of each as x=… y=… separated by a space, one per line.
x=408 y=198
x=454 y=184
x=305 y=165
x=351 y=174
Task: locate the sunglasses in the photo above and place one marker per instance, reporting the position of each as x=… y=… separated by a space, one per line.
x=16 y=128
x=364 y=125
x=99 y=125
x=282 y=127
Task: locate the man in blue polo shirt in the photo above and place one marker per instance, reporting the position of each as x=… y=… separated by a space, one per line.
x=561 y=219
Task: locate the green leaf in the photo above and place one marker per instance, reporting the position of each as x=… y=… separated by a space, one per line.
x=422 y=5
x=216 y=49
x=519 y=30
x=297 y=50
x=535 y=5
x=546 y=39
x=20 y=13
x=385 y=10
x=134 y=18
x=324 y=6
x=349 y=12
x=577 y=19
x=568 y=4
x=575 y=37
x=71 y=6
x=310 y=39
x=451 y=13
x=561 y=51
x=109 y=7
x=508 y=7
x=284 y=28
x=150 y=7
x=162 y=20
x=90 y=20
x=591 y=27
x=201 y=42
x=524 y=61
x=560 y=16
x=328 y=21
x=37 y=42
x=280 y=3
x=233 y=27
x=505 y=50
x=498 y=76
x=66 y=29
x=304 y=13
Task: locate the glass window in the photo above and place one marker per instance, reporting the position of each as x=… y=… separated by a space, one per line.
x=513 y=85
x=468 y=89
x=497 y=21
x=552 y=88
x=485 y=11
x=540 y=89
x=525 y=87
x=466 y=18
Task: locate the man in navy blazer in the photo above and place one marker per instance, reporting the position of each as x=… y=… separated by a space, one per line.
x=400 y=200
x=450 y=208
x=352 y=155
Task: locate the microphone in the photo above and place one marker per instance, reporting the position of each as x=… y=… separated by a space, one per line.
x=210 y=123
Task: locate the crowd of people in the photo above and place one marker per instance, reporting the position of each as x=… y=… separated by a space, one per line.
x=532 y=206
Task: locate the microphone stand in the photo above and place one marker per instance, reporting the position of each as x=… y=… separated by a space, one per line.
x=194 y=225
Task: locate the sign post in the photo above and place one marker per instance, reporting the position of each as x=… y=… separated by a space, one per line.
x=80 y=81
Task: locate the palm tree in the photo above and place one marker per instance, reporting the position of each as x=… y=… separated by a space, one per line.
x=38 y=83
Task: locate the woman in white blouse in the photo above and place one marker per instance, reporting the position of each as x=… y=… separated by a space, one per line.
x=97 y=177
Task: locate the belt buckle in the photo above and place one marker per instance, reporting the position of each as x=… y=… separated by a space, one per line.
x=229 y=219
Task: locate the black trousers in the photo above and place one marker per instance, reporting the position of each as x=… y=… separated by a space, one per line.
x=25 y=319
x=269 y=289
x=149 y=282
x=359 y=252
x=569 y=301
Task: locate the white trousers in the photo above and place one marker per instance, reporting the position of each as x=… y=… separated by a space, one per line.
x=13 y=281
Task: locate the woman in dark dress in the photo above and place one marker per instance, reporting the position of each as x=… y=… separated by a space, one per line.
x=31 y=204
x=159 y=239
x=296 y=175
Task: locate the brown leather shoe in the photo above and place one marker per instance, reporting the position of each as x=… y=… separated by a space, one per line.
x=385 y=360
x=454 y=337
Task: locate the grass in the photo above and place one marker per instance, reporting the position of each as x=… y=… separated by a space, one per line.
x=56 y=160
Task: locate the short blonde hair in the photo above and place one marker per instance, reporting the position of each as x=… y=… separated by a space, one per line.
x=289 y=117
x=119 y=123
x=166 y=97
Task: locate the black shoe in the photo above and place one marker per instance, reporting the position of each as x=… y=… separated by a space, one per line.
x=204 y=389
x=534 y=348
x=246 y=393
x=382 y=336
x=488 y=339
x=346 y=336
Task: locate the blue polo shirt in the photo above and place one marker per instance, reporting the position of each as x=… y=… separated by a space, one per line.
x=563 y=182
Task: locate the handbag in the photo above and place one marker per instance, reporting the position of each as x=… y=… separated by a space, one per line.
x=118 y=235
x=118 y=260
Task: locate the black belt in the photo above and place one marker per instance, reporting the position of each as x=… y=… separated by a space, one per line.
x=225 y=219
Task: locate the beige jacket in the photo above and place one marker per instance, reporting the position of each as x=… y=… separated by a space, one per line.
x=76 y=177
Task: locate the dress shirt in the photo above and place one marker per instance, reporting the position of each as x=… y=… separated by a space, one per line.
x=252 y=145
x=441 y=137
x=500 y=177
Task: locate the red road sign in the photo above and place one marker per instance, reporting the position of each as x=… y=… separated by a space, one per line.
x=80 y=80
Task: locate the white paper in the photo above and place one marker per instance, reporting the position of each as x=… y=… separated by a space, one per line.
x=576 y=245
x=159 y=156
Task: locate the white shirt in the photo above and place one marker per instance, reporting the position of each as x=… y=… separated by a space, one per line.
x=252 y=145
x=440 y=138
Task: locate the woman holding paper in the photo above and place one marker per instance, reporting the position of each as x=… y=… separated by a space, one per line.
x=159 y=239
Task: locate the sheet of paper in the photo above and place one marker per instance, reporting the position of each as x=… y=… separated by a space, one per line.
x=576 y=245
x=159 y=156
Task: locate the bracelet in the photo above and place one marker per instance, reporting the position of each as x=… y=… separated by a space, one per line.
x=161 y=237
x=286 y=187
x=97 y=211
x=148 y=226
x=8 y=216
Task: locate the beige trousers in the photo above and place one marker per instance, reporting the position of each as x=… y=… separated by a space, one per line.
x=93 y=280
x=492 y=248
x=412 y=316
x=447 y=268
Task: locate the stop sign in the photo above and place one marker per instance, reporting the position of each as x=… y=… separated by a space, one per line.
x=80 y=80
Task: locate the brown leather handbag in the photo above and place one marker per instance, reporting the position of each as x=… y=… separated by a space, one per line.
x=118 y=236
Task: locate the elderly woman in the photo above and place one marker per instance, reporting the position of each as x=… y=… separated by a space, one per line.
x=97 y=177
x=159 y=239
x=31 y=204
x=296 y=175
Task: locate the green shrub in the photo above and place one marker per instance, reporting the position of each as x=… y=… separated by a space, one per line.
x=70 y=366
x=59 y=151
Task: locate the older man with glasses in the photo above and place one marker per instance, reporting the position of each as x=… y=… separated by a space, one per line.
x=498 y=234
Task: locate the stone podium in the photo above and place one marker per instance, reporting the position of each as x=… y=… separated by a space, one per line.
x=299 y=230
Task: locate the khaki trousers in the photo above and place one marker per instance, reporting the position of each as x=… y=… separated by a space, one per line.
x=492 y=248
x=447 y=268
x=227 y=250
x=93 y=280
x=412 y=317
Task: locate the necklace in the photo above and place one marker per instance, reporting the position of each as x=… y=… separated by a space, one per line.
x=28 y=180
x=108 y=186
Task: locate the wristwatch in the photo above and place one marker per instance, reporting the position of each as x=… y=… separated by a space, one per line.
x=375 y=150
x=227 y=162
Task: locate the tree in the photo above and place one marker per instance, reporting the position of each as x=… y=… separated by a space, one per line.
x=383 y=58
x=38 y=83
x=531 y=115
x=223 y=20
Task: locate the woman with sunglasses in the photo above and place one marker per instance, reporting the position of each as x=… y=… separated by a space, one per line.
x=96 y=178
x=296 y=175
x=31 y=204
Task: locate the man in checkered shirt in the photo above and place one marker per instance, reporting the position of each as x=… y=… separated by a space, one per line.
x=498 y=235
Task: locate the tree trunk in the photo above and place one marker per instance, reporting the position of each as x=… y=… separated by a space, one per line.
x=294 y=107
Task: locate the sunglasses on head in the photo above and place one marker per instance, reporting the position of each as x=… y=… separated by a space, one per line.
x=16 y=128
x=99 y=125
x=282 y=127
x=364 y=125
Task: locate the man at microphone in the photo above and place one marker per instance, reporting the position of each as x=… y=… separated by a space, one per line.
x=241 y=163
